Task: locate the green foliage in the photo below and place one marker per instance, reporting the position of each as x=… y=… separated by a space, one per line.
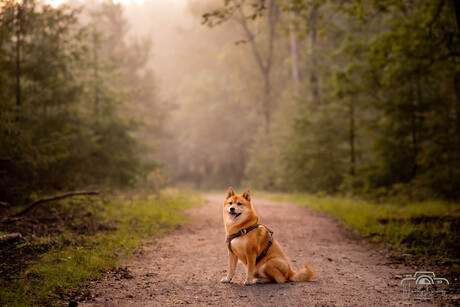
x=78 y=259
x=377 y=104
x=428 y=227
x=261 y=167
x=313 y=150
x=64 y=118
x=385 y=120
x=414 y=71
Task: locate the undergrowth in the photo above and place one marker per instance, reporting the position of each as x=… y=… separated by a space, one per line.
x=113 y=229
x=429 y=228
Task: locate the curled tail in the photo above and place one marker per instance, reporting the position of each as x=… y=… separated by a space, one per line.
x=305 y=274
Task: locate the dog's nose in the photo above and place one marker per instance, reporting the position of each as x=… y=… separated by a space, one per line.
x=232 y=209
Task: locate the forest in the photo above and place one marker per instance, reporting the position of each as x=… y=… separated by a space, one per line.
x=328 y=96
x=132 y=100
x=321 y=96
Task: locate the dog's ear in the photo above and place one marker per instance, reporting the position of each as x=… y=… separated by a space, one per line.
x=230 y=192
x=247 y=195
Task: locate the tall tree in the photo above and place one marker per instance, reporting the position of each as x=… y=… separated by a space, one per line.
x=263 y=55
x=52 y=138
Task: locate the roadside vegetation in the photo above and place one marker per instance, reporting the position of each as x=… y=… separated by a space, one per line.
x=428 y=229
x=68 y=243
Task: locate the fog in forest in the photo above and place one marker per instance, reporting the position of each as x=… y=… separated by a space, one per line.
x=123 y=123
x=337 y=97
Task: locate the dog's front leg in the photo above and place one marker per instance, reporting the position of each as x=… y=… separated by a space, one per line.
x=232 y=262
x=251 y=266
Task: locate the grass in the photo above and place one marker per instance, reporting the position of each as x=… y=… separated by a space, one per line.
x=430 y=228
x=76 y=259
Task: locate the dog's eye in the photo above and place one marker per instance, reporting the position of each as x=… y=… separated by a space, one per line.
x=240 y=204
x=230 y=203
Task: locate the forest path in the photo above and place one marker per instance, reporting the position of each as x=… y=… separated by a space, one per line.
x=185 y=267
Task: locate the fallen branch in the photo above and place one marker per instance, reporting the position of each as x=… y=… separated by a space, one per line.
x=56 y=197
x=10 y=220
x=11 y=237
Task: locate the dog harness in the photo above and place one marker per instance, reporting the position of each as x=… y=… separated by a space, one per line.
x=242 y=232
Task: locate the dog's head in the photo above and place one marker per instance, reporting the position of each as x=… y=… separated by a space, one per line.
x=238 y=208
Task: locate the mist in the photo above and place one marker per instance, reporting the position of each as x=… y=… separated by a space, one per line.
x=126 y=124
x=274 y=95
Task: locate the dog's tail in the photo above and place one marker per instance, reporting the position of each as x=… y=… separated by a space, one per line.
x=305 y=274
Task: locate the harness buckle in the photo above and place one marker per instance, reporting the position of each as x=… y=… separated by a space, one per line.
x=243 y=232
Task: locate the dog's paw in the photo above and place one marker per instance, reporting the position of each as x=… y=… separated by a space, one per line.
x=248 y=283
x=225 y=280
x=262 y=281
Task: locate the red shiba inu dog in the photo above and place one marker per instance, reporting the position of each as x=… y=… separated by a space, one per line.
x=253 y=244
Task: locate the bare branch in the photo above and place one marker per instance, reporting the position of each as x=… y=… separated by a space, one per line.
x=51 y=198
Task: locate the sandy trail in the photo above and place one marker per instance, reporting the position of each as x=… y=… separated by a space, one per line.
x=186 y=266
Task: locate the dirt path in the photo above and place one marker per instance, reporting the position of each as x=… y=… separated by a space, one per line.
x=186 y=266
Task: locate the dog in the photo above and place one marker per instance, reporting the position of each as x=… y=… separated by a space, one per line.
x=254 y=246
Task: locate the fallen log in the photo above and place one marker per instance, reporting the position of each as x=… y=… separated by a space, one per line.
x=51 y=198
x=11 y=237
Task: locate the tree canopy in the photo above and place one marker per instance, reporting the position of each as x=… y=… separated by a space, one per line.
x=363 y=96
x=69 y=79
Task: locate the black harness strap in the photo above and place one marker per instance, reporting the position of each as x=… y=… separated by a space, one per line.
x=270 y=242
x=242 y=232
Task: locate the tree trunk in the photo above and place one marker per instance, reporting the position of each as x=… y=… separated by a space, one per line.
x=457 y=13
x=456 y=83
x=352 y=140
x=264 y=65
x=414 y=138
x=295 y=56
x=96 y=74
x=273 y=15
x=267 y=108
x=457 y=105
x=18 y=55
x=315 y=96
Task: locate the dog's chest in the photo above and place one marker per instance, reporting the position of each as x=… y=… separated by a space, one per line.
x=240 y=246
